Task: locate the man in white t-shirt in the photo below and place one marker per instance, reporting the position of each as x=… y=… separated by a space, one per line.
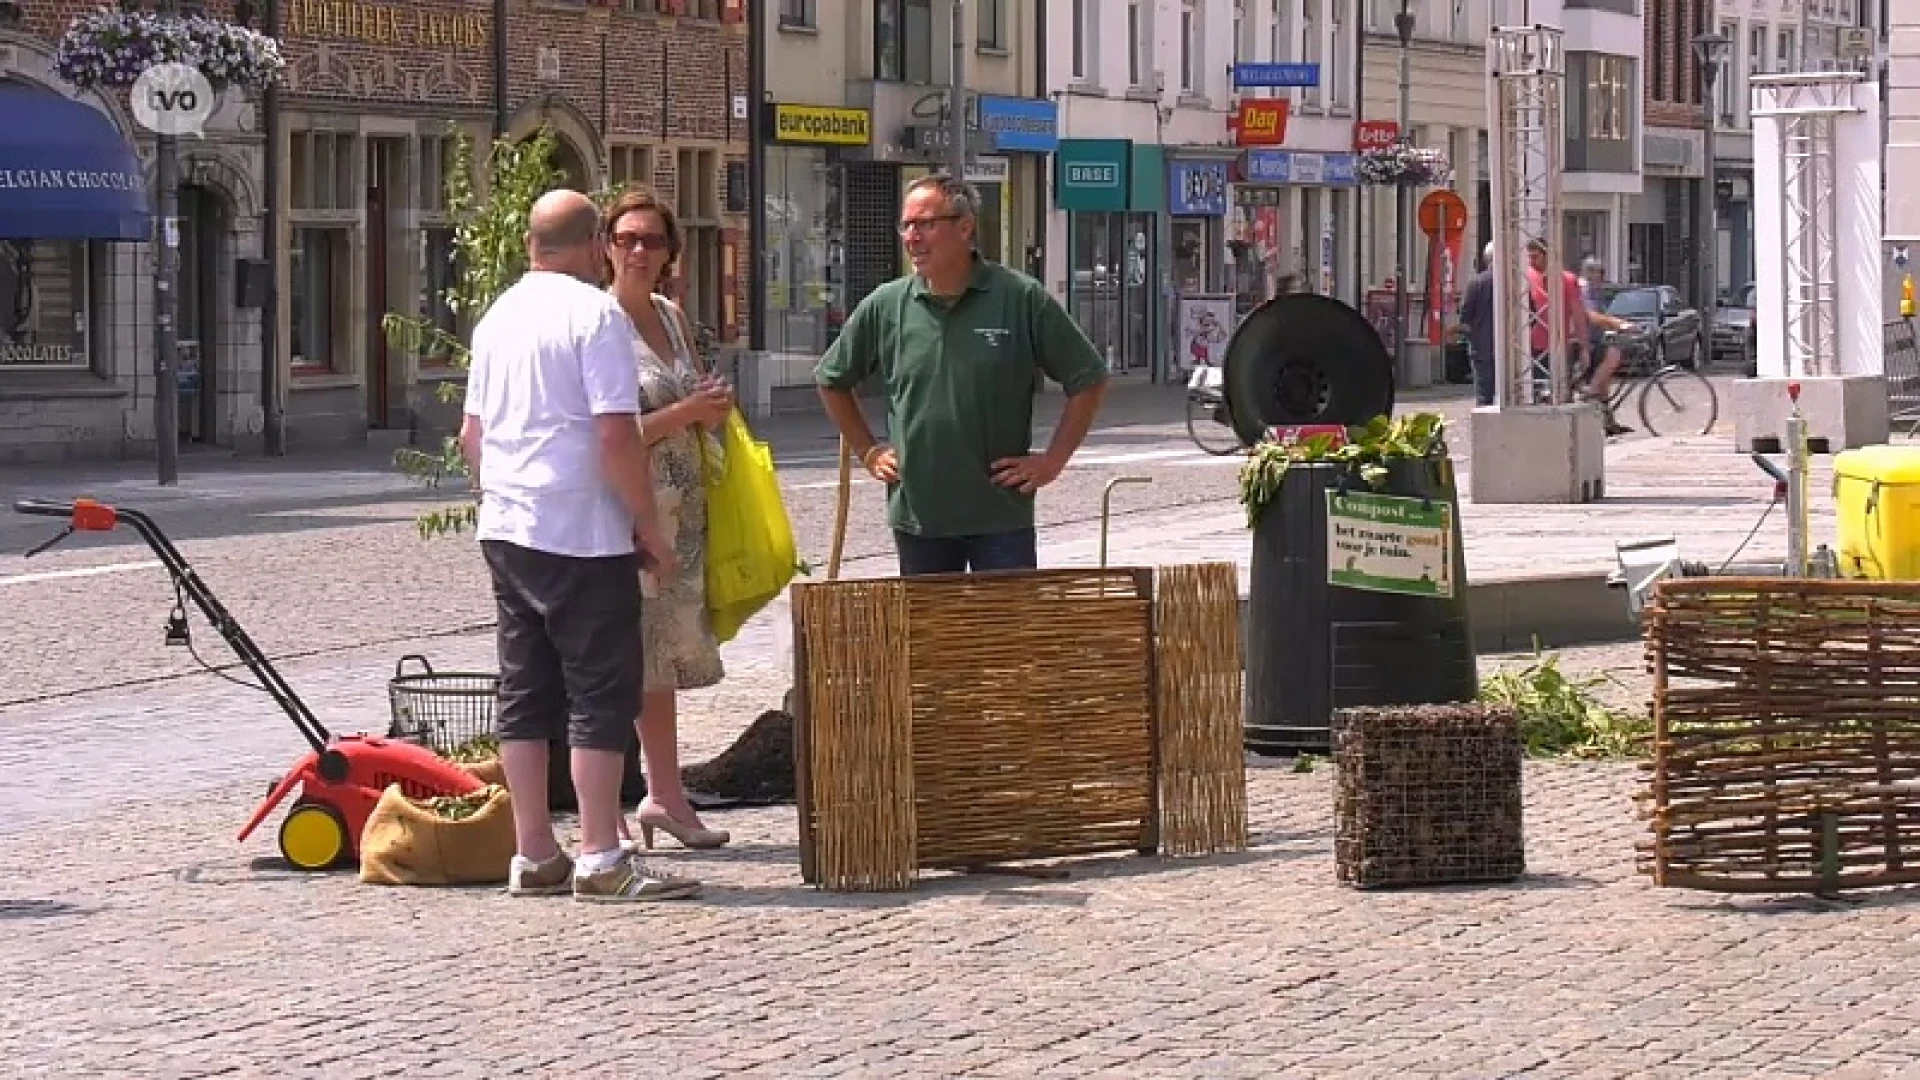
x=567 y=522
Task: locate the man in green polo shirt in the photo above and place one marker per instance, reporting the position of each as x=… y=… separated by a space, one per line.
x=956 y=344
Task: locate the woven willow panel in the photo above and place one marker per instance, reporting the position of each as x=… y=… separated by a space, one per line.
x=1203 y=766
x=1786 y=749
x=1031 y=714
x=859 y=728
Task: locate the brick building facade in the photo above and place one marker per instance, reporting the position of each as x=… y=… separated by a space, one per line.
x=633 y=96
x=1674 y=163
x=636 y=91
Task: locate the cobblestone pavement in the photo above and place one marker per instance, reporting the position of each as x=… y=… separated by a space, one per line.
x=155 y=946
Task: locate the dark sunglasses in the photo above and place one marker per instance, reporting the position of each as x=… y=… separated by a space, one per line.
x=627 y=241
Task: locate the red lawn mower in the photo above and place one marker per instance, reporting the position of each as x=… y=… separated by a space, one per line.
x=343 y=777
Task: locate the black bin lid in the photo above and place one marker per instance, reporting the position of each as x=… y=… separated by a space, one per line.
x=1303 y=358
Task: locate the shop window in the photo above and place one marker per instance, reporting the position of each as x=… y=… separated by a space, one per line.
x=45 y=297
x=800 y=274
x=440 y=268
x=436 y=164
x=320 y=275
x=324 y=175
x=1586 y=238
x=698 y=208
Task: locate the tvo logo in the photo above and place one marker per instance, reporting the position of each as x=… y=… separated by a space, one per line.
x=172 y=99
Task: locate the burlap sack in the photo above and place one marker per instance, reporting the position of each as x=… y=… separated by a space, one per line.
x=489 y=771
x=407 y=844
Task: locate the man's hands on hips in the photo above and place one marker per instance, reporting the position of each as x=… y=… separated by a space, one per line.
x=882 y=463
x=1027 y=473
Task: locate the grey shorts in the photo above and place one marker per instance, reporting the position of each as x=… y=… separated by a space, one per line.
x=569 y=637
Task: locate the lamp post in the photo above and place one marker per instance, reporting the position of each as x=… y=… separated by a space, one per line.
x=273 y=429
x=1403 y=197
x=1710 y=49
x=166 y=301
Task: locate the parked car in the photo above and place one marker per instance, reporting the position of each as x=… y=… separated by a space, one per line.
x=1733 y=333
x=1664 y=330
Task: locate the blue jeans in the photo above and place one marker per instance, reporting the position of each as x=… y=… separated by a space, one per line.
x=1015 y=550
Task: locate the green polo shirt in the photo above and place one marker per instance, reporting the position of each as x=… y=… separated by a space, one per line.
x=958 y=375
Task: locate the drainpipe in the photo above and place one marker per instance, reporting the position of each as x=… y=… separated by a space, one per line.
x=273 y=419
x=757 y=177
x=1037 y=251
x=499 y=68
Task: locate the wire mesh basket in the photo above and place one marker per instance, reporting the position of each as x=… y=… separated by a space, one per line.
x=442 y=711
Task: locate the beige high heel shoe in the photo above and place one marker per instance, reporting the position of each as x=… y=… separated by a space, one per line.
x=653 y=817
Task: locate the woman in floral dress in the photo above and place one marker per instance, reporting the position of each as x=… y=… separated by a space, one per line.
x=681 y=405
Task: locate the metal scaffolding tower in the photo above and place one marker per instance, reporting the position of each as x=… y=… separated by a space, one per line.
x=1528 y=69
x=1806 y=107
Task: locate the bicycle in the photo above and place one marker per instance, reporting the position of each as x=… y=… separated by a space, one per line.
x=1676 y=389
x=1209 y=424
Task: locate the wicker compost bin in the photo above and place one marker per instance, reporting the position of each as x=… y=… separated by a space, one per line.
x=1427 y=795
x=1786 y=721
x=960 y=721
x=442 y=711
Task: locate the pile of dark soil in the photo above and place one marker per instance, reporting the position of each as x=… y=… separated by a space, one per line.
x=757 y=770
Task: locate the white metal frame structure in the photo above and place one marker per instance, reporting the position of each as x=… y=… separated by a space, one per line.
x=1807 y=107
x=1527 y=66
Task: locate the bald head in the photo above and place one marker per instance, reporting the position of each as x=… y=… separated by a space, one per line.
x=562 y=228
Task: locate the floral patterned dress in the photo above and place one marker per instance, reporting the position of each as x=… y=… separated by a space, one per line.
x=677 y=640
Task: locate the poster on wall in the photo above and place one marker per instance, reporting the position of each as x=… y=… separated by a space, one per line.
x=1205 y=325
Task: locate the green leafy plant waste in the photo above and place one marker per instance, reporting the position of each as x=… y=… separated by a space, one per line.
x=1367 y=451
x=1560 y=716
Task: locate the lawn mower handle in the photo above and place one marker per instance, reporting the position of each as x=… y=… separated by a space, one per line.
x=43 y=508
x=88 y=515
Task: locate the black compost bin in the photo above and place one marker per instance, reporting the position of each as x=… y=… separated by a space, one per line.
x=1314 y=646
x=1302 y=358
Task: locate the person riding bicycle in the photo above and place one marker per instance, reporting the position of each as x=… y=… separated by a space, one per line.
x=1602 y=359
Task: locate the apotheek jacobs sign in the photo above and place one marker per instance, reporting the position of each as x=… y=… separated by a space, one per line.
x=413 y=26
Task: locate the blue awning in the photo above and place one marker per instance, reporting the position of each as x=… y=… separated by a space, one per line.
x=66 y=173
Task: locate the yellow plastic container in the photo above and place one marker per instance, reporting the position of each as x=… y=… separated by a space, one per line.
x=1876 y=498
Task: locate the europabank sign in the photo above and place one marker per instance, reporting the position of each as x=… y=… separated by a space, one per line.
x=1260 y=122
x=1374 y=135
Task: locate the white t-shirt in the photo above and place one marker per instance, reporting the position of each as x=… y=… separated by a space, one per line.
x=551 y=354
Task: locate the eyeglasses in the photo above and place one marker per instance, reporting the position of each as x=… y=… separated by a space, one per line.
x=627 y=241
x=925 y=223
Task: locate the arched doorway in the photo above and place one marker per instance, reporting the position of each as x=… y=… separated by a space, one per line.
x=576 y=153
x=571 y=166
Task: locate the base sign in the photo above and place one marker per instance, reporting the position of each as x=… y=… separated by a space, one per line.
x=1390 y=544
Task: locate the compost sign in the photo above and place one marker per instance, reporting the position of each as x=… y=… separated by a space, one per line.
x=1387 y=543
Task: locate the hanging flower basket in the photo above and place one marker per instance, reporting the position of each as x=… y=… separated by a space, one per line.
x=110 y=48
x=1403 y=165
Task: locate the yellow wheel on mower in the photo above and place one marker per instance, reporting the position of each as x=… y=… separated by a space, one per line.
x=313 y=837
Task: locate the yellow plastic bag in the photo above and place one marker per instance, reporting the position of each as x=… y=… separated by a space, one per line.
x=750 y=550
